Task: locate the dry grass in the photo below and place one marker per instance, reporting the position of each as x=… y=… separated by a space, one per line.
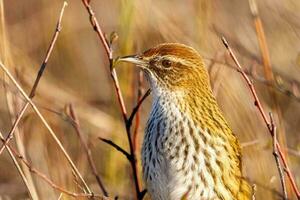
x=78 y=73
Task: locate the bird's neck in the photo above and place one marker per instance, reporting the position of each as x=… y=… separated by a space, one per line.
x=200 y=107
x=198 y=104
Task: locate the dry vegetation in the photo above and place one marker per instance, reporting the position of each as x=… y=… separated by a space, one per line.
x=77 y=97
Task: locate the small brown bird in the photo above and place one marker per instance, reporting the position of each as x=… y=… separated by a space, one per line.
x=189 y=151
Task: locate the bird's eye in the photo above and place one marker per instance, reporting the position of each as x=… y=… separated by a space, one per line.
x=166 y=63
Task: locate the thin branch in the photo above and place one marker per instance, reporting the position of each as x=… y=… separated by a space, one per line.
x=88 y=152
x=279 y=78
x=249 y=83
x=14 y=104
x=291 y=91
x=10 y=135
x=288 y=171
x=38 y=77
x=17 y=166
x=96 y=26
x=143 y=193
x=29 y=101
x=49 y=181
x=117 y=147
x=136 y=108
x=135 y=138
x=261 y=111
x=14 y=126
x=49 y=51
x=109 y=53
x=137 y=115
x=268 y=73
x=21 y=113
x=36 y=110
x=276 y=156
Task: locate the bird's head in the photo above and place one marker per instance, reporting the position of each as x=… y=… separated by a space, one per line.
x=172 y=67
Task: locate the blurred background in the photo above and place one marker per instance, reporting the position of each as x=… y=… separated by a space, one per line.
x=78 y=74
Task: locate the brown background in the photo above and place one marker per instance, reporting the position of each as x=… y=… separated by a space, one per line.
x=78 y=73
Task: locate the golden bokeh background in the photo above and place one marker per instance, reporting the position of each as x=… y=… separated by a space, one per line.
x=78 y=73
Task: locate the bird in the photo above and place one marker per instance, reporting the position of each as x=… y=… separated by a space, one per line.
x=189 y=151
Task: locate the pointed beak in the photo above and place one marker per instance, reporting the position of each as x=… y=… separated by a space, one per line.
x=135 y=59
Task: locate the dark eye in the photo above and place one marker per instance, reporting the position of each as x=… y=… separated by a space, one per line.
x=166 y=63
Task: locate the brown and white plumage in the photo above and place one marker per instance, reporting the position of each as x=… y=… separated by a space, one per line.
x=188 y=150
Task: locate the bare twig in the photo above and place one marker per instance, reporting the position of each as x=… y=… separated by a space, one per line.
x=38 y=77
x=278 y=78
x=29 y=101
x=136 y=108
x=117 y=147
x=13 y=104
x=18 y=167
x=135 y=137
x=36 y=110
x=137 y=115
x=49 y=51
x=264 y=116
x=268 y=72
x=96 y=26
x=143 y=193
x=289 y=88
x=14 y=127
x=109 y=53
x=88 y=152
x=276 y=156
x=49 y=181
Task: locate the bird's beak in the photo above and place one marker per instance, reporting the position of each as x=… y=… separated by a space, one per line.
x=135 y=59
